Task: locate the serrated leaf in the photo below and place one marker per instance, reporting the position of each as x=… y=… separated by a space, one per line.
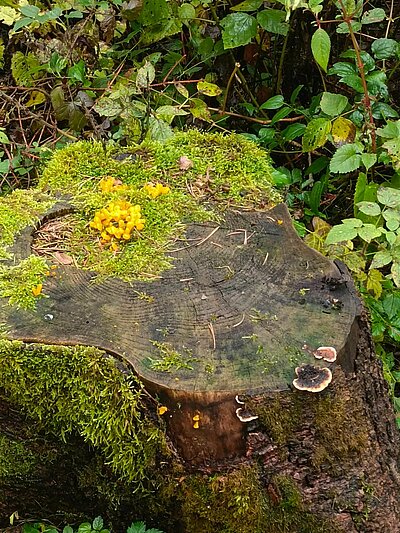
x=341 y=233
x=145 y=75
x=346 y=159
x=98 y=523
x=372 y=16
x=316 y=134
x=391 y=305
x=333 y=104
x=321 y=48
x=369 y=232
x=381 y=259
x=238 y=29
x=369 y=208
x=209 y=89
x=343 y=131
x=389 y=196
x=273 y=21
x=384 y=48
x=137 y=527
x=374 y=282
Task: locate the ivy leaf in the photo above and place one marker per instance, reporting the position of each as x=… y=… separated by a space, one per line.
x=333 y=104
x=316 y=134
x=209 y=89
x=346 y=159
x=369 y=208
x=341 y=233
x=381 y=258
x=369 y=232
x=321 y=48
x=238 y=29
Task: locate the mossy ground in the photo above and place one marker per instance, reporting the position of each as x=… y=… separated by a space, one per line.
x=206 y=173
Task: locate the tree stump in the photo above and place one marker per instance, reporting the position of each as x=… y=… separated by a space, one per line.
x=218 y=339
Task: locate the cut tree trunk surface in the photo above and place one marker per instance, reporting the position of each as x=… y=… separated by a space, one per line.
x=245 y=303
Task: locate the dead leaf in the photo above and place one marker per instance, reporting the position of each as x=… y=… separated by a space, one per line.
x=185 y=163
x=62 y=258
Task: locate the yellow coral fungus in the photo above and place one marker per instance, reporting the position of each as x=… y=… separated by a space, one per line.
x=117 y=221
x=109 y=184
x=156 y=190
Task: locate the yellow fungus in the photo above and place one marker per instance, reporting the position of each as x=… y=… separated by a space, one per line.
x=162 y=409
x=37 y=290
x=196 y=425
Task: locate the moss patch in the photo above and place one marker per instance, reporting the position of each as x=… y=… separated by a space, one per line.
x=16 y=460
x=79 y=389
x=21 y=283
x=236 y=501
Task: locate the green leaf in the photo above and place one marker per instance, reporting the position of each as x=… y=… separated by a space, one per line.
x=98 y=523
x=321 y=48
x=186 y=12
x=395 y=271
x=368 y=160
x=145 y=75
x=341 y=233
x=384 y=48
x=342 y=69
x=273 y=103
x=333 y=104
x=8 y=15
x=209 y=89
x=381 y=258
x=238 y=29
x=21 y=23
x=353 y=81
x=248 y=5
x=108 y=107
x=316 y=134
x=346 y=159
x=391 y=237
x=389 y=196
x=293 y=131
x=159 y=130
x=390 y=131
x=380 y=110
x=392 y=217
x=279 y=115
x=68 y=529
x=85 y=528
x=29 y=11
x=372 y=16
x=169 y=112
x=343 y=27
x=3 y=137
x=273 y=21
x=391 y=305
x=369 y=208
x=77 y=71
x=369 y=232
x=353 y=222
x=137 y=527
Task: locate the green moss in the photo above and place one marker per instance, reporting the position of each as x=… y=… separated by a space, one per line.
x=78 y=389
x=226 y=170
x=17 y=282
x=16 y=460
x=236 y=501
x=17 y=211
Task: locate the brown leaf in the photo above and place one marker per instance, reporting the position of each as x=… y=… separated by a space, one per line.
x=63 y=258
x=185 y=163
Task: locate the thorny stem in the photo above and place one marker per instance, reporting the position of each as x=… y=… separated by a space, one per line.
x=347 y=18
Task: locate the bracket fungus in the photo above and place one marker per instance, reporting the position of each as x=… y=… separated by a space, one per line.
x=327 y=353
x=312 y=378
x=244 y=415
